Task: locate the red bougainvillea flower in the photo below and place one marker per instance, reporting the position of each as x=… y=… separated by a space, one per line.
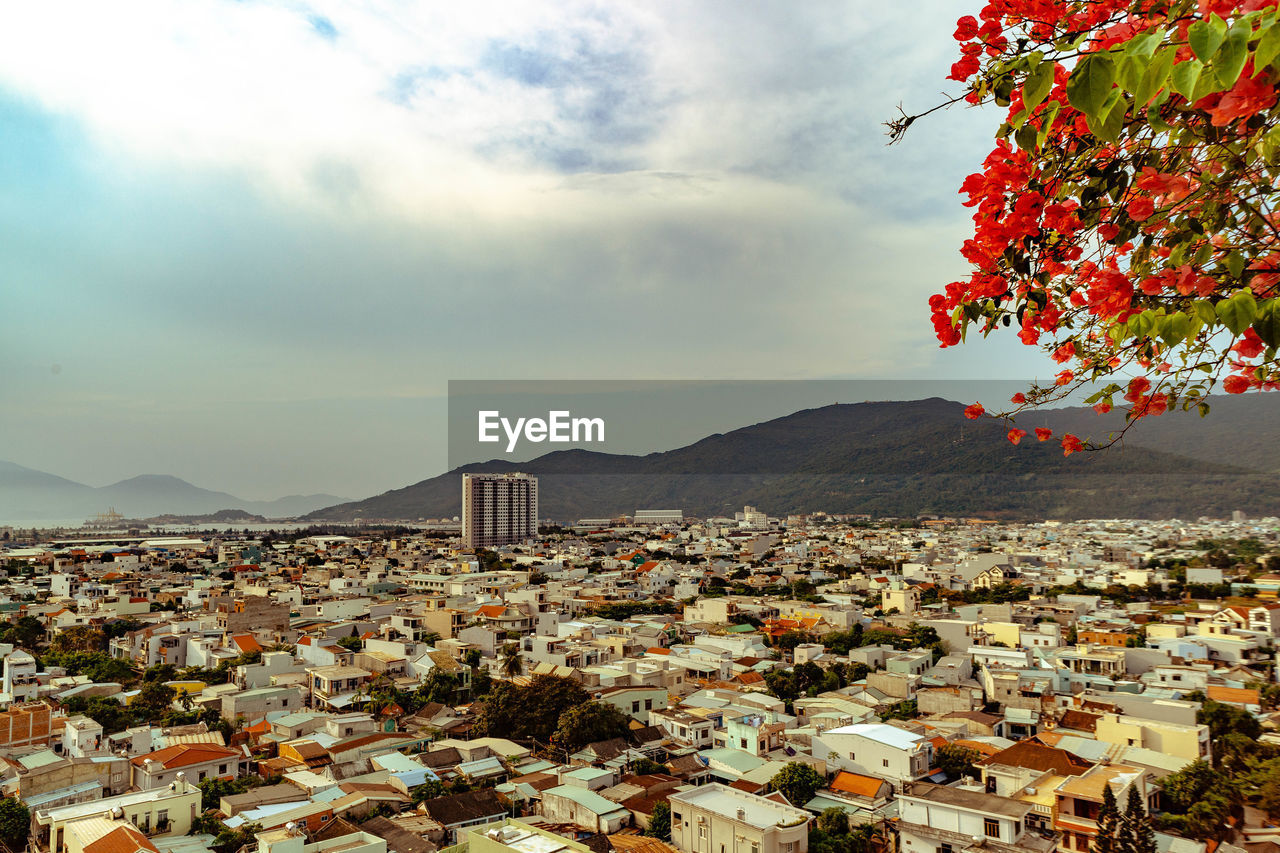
x=1249 y=346
x=1018 y=399
x=1064 y=378
x=1102 y=408
x=974 y=412
x=1071 y=444
x=1140 y=208
x=1235 y=384
x=1043 y=433
x=1015 y=435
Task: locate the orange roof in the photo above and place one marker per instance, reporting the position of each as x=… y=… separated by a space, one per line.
x=856 y=784
x=246 y=643
x=657 y=650
x=750 y=677
x=186 y=754
x=259 y=728
x=122 y=839
x=492 y=610
x=978 y=746
x=305 y=641
x=1234 y=695
x=647 y=566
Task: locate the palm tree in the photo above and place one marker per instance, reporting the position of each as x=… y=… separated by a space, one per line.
x=512 y=664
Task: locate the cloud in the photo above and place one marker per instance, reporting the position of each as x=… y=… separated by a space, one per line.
x=233 y=208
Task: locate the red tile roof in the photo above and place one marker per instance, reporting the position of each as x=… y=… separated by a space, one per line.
x=123 y=839
x=856 y=784
x=187 y=754
x=246 y=643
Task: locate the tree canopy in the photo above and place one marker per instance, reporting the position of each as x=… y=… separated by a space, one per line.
x=1125 y=219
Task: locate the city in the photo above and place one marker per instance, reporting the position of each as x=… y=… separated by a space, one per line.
x=580 y=426
x=650 y=682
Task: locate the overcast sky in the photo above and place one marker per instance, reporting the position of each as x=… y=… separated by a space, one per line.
x=248 y=243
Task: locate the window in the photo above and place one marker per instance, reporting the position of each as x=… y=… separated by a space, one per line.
x=702 y=832
x=648 y=704
x=635 y=707
x=886 y=762
x=851 y=758
x=944 y=847
x=991 y=827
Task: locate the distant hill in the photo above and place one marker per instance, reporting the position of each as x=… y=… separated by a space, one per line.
x=903 y=458
x=27 y=494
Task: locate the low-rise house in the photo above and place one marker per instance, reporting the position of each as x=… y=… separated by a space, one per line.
x=585 y=808
x=712 y=817
x=935 y=817
x=197 y=761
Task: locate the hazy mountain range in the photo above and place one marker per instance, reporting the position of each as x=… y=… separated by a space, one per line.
x=906 y=458
x=893 y=458
x=30 y=495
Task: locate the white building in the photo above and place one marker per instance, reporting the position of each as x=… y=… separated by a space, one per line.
x=498 y=509
x=876 y=749
x=716 y=818
x=934 y=818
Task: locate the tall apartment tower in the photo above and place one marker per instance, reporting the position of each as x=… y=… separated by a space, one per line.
x=498 y=509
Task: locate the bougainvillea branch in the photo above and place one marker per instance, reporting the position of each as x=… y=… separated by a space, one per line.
x=1126 y=220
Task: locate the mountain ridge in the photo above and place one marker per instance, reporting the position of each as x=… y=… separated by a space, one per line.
x=894 y=458
x=29 y=494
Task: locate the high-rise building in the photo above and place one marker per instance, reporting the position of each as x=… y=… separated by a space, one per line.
x=498 y=509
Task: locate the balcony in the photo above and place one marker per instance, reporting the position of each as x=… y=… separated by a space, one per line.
x=1034 y=842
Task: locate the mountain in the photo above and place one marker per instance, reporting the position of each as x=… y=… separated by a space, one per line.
x=30 y=495
x=901 y=458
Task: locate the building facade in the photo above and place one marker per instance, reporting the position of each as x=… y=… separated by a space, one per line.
x=498 y=509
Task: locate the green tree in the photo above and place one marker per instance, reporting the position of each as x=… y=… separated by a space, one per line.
x=15 y=822
x=660 y=822
x=533 y=711
x=588 y=723
x=798 y=782
x=153 y=700
x=1198 y=800
x=512 y=663
x=957 y=761
x=1223 y=719
x=834 y=821
x=1136 y=832
x=1108 y=840
x=213 y=789
x=646 y=766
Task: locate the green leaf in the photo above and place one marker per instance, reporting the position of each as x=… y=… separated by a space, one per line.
x=1185 y=76
x=1228 y=62
x=1175 y=328
x=1238 y=312
x=1143 y=46
x=1268 y=323
x=1204 y=310
x=1110 y=119
x=1157 y=121
x=1037 y=86
x=1206 y=37
x=1090 y=83
x=1047 y=118
x=1268 y=46
x=1235 y=264
x=1156 y=76
x=1026 y=138
x=1129 y=72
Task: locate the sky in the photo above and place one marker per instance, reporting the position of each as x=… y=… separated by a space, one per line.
x=249 y=243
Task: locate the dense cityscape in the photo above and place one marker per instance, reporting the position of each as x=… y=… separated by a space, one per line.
x=643 y=684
